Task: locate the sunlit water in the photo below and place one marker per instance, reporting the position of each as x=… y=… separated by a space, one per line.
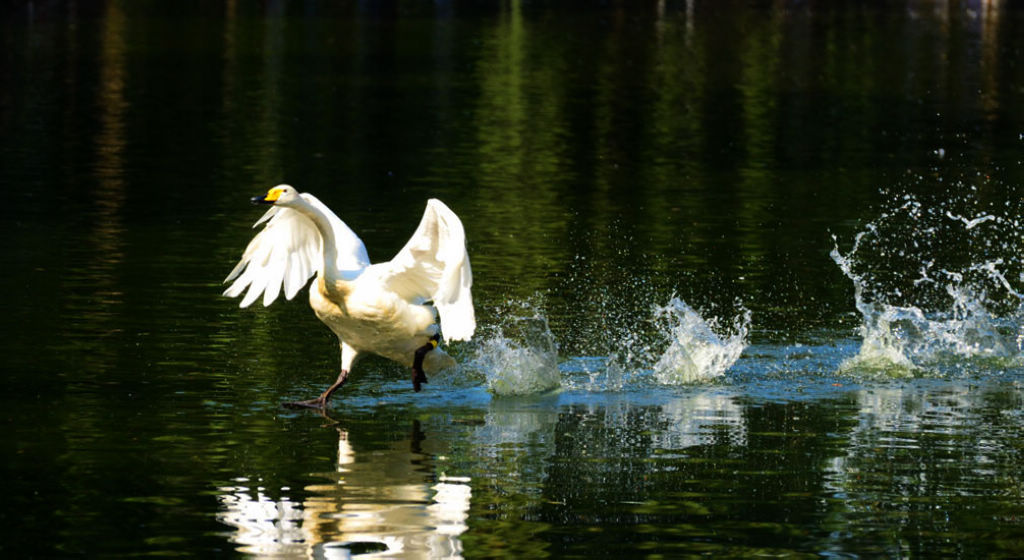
x=748 y=278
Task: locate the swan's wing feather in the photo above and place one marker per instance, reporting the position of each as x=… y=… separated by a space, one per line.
x=434 y=265
x=296 y=276
x=283 y=251
x=286 y=253
x=249 y=250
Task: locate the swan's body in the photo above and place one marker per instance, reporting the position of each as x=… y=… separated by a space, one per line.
x=379 y=309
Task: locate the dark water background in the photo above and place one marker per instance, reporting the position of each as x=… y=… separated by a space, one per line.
x=603 y=159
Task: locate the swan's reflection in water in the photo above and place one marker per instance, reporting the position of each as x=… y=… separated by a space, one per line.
x=524 y=454
x=385 y=505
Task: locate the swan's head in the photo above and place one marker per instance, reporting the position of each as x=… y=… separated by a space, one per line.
x=281 y=195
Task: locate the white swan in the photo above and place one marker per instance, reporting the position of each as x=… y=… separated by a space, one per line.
x=379 y=309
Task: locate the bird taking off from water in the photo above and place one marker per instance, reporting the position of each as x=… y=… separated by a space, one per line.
x=383 y=308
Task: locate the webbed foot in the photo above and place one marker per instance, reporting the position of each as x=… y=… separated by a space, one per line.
x=318 y=403
x=418 y=377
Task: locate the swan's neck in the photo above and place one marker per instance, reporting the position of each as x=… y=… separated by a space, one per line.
x=332 y=279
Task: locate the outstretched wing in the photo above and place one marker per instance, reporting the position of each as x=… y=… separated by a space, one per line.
x=434 y=266
x=287 y=253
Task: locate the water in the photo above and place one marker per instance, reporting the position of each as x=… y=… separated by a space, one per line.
x=748 y=279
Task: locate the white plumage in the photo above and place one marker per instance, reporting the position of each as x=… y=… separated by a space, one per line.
x=381 y=308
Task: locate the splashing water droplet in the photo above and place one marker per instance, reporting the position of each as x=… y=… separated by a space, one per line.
x=521 y=357
x=696 y=352
x=956 y=307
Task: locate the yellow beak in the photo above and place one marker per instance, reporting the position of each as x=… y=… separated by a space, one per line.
x=271 y=197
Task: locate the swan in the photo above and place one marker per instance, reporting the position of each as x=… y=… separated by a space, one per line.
x=381 y=308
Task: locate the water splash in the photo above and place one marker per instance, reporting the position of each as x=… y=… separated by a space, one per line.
x=695 y=351
x=520 y=357
x=932 y=289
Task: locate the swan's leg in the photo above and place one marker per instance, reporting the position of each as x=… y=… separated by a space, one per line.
x=321 y=401
x=348 y=358
x=418 y=376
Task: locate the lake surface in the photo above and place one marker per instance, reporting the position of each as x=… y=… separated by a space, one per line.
x=748 y=278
